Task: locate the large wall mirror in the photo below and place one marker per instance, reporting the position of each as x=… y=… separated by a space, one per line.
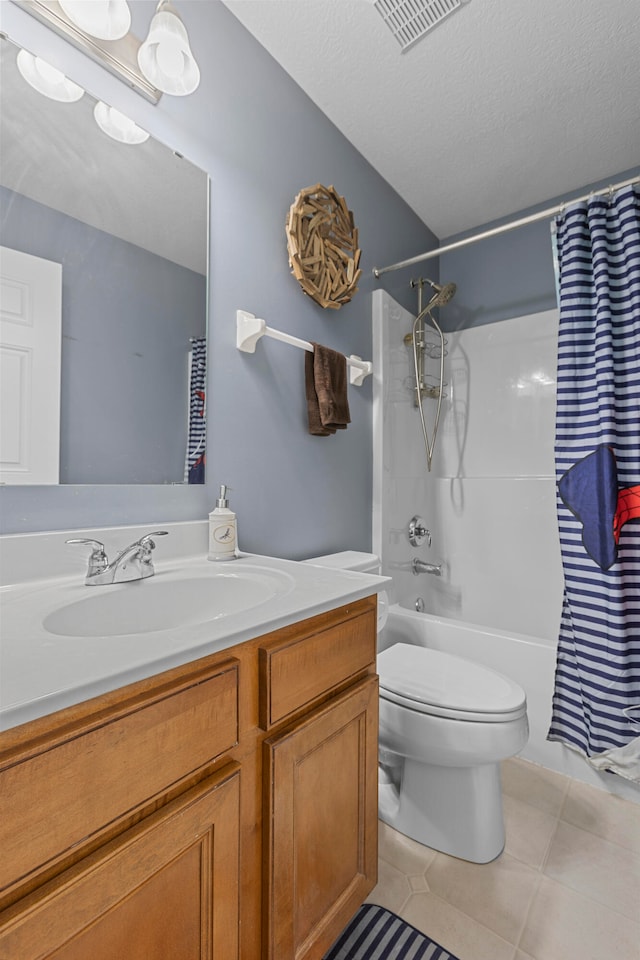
x=113 y=238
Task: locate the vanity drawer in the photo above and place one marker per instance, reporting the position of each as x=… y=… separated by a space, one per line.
x=301 y=666
x=90 y=774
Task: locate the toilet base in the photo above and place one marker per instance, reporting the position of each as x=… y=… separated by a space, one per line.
x=457 y=810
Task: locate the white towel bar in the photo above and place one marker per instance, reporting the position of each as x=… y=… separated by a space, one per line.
x=249 y=329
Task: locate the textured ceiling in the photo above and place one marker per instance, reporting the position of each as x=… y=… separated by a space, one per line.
x=505 y=104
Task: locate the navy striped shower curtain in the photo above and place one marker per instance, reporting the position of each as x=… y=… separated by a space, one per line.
x=596 y=705
x=196 y=442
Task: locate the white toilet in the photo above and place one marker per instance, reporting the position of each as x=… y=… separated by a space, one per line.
x=445 y=725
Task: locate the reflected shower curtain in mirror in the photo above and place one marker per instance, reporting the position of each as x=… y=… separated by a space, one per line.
x=596 y=705
x=196 y=450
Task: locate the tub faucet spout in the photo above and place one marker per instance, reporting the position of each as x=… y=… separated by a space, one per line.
x=421 y=566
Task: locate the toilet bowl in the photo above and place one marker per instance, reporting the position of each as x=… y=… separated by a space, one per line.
x=446 y=723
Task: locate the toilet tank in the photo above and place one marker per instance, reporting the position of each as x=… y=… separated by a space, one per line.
x=349 y=560
x=362 y=563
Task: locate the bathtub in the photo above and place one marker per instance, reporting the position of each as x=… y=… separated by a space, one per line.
x=527 y=660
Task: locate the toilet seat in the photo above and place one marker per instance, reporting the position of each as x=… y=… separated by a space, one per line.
x=443 y=685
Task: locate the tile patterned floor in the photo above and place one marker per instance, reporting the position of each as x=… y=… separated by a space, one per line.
x=566 y=887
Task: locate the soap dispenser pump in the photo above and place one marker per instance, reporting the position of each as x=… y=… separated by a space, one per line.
x=222 y=529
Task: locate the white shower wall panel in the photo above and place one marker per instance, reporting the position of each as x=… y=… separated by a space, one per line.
x=489 y=500
x=492 y=493
x=499 y=543
x=498 y=419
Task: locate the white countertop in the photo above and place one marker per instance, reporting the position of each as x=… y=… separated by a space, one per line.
x=41 y=671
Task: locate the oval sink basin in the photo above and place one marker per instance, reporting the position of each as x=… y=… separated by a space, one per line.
x=166 y=602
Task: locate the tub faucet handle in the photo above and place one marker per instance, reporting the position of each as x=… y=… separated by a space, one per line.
x=418 y=533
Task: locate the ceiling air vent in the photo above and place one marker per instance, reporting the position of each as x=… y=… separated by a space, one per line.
x=409 y=20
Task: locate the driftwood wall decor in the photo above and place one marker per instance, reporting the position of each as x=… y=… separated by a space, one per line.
x=323 y=246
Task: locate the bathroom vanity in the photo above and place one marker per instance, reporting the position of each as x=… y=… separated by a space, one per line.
x=223 y=808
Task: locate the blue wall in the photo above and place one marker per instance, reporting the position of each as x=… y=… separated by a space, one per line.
x=125 y=342
x=261 y=140
x=510 y=275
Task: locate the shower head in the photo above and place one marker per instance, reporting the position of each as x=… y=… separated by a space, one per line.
x=443 y=293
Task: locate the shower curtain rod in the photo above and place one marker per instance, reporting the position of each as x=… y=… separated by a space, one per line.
x=542 y=215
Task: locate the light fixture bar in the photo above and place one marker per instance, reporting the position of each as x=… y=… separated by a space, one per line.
x=120 y=57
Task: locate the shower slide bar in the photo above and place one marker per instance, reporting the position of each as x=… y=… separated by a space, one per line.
x=250 y=329
x=495 y=231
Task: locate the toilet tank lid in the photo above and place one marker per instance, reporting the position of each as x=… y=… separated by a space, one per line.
x=348 y=560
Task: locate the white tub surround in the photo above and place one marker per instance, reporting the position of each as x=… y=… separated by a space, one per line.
x=489 y=500
x=43 y=670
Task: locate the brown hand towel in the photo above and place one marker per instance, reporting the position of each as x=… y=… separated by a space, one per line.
x=325 y=376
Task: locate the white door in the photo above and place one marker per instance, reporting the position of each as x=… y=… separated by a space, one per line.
x=30 y=341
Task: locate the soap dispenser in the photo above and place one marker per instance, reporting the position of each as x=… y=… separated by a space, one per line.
x=222 y=529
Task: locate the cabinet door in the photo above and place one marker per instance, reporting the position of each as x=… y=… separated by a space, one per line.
x=166 y=889
x=321 y=823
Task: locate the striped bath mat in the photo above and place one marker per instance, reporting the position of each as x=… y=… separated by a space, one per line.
x=377 y=934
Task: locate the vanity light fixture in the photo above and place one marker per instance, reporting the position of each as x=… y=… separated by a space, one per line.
x=164 y=63
x=165 y=57
x=105 y=19
x=46 y=79
x=117 y=126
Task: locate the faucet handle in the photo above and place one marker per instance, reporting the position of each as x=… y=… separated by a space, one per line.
x=418 y=532
x=146 y=545
x=99 y=546
x=98 y=559
x=146 y=541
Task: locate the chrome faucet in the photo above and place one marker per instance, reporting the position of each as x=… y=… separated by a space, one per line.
x=132 y=563
x=421 y=566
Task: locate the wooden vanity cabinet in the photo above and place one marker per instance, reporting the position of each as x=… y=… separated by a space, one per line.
x=222 y=810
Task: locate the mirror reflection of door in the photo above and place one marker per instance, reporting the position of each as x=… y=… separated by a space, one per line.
x=30 y=340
